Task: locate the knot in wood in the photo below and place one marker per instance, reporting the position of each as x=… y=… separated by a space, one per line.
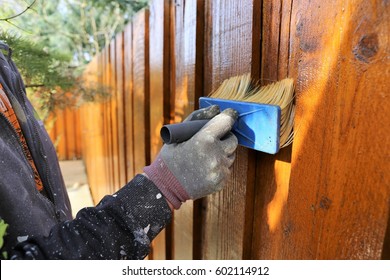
x=367 y=47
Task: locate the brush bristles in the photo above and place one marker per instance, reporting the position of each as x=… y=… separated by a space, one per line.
x=281 y=93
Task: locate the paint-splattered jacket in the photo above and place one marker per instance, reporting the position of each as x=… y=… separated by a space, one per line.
x=40 y=226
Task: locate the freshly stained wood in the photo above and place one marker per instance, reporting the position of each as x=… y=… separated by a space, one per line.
x=70 y=135
x=61 y=135
x=184 y=56
x=120 y=111
x=128 y=101
x=141 y=92
x=228 y=52
x=324 y=197
x=158 y=39
x=335 y=204
x=272 y=171
x=114 y=115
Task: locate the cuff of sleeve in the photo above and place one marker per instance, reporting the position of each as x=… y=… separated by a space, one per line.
x=143 y=200
x=163 y=178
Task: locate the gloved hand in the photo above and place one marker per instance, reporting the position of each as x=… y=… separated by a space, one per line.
x=199 y=166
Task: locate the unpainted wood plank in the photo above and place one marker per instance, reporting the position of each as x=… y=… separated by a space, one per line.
x=141 y=91
x=228 y=52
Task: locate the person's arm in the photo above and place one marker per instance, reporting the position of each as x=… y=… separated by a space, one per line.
x=121 y=226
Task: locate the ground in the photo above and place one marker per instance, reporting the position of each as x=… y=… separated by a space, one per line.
x=76 y=184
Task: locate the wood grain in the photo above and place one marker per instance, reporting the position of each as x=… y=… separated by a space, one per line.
x=92 y=133
x=157 y=94
x=335 y=204
x=107 y=126
x=70 y=128
x=158 y=38
x=272 y=171
x=114 y=115
x=228 y=52
x=121 y=109
x=184 y=30
x=128 y=101
x=325 y=197
x=141 y=112
x=78 y=134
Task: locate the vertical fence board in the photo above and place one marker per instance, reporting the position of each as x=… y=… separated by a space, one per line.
x=69 y=125
x=341 y=101
x=128 y=100
x=120 y=100
x=61 y=134
x=332 y=207
x=227 y=52
x=50 y=125
x=78 y=136
x=107 y=122
x=272 y=171
x=157 y=95
x=184 y=49
x=70 y=135
x=102 y=180
x=90 y=76
x=141 y=93
x=93 y=134
x=113 y=103
x=103 y=65
x=158 y=37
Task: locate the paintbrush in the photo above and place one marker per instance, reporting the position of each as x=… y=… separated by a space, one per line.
x=266 y=114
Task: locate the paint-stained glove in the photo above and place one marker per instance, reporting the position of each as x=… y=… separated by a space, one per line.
x=199 y=166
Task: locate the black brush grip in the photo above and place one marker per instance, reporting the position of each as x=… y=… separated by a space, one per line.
x=180 y=132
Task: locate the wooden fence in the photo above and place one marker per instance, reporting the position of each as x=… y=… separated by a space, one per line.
x=64 y=128
x=325 y=197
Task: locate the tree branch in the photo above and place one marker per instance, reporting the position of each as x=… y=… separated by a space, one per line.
x=22 y=12
x=34 y=85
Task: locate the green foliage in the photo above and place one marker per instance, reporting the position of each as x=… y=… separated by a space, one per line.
x=39 y=65
x=45 y=72
x=54 y=40
x=124 y=5
x=3 y=231
x=80 y=28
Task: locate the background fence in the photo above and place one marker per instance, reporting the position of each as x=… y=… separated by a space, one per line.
x=324 y=197
x=64 y=128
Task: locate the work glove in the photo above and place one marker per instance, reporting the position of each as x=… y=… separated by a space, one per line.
x=201 y=165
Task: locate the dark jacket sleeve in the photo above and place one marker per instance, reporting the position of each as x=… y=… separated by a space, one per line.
x=121 y=226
